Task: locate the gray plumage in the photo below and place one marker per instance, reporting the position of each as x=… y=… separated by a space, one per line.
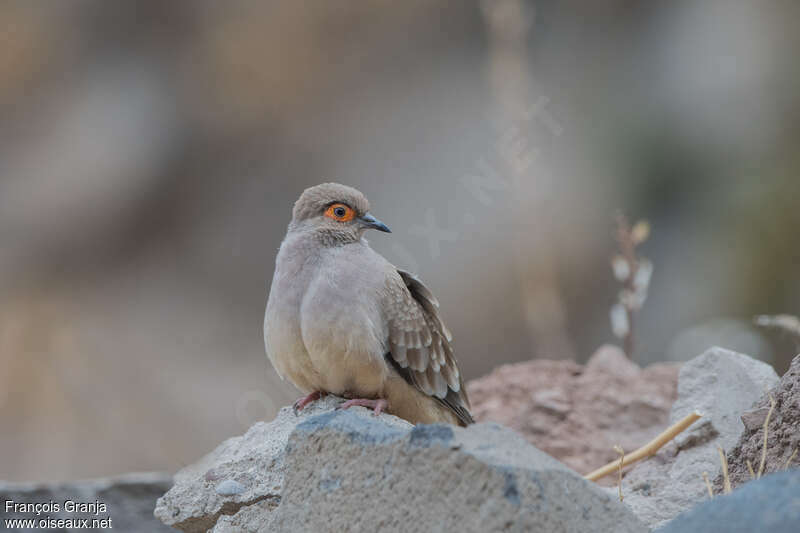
x=341 y=319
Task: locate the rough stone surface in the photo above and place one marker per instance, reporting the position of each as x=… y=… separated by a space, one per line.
x=783 y=433
x=248 y=519
x=351 y=471
x=767 y=505
x=242 y=471
x=346 y=473
x=129 y=499
x=578 y=413
x=721 y=384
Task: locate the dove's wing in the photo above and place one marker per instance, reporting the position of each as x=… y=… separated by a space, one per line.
x=419 y=344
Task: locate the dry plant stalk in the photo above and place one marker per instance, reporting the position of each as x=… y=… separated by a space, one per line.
x=787 y=323
x=750 y=469
x=790 y=459
x=648 y=449
x=634 y=273
x=726 y=479
x=708 y=485
x=621 y=453
x=766 y=434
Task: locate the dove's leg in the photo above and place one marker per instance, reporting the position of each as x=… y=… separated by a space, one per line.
x=305 y=400
x=377 y=406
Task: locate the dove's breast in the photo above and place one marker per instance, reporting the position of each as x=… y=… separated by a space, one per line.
x=324 y=328
x=343 y=327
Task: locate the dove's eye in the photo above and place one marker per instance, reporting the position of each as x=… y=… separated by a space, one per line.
x=340 y=212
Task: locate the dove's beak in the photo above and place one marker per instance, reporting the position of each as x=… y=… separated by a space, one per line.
x=370 y=221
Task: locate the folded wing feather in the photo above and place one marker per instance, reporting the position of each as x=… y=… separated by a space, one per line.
x=419 y=344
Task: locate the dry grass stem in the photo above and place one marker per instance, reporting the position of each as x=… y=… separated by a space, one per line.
x=708 y=485
x=726 y=479
x=790 y=459
x=648 y=449
x=787 y=323
x=766 y=434
x=634 y=273
x=621 y=453
x=750 y=469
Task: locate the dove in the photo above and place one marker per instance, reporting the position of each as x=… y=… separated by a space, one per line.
x=341 y=319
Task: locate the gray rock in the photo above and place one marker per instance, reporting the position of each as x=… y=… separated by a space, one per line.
x=349 y=473
x=129 y=500
x=721 y=384
x=766 y=505
x=329 y=470
x=252 y=464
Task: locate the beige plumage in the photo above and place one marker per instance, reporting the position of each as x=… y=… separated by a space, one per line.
x=341 y=319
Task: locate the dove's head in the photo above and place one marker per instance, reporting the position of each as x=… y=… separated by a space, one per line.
x=338 y=213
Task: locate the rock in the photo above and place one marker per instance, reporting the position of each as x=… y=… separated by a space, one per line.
x=578 y=413
x=129 y=500
x=351 y=473
x=720 y=384
x=783 y=436
x=330 y=470
x=612 y=360
x=755 y=418
x=767 y=505
x=241 y=472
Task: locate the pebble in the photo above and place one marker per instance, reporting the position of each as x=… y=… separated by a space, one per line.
x=229 y=487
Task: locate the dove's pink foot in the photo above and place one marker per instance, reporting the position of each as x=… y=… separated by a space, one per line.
x=377 y=406
x=305 y=400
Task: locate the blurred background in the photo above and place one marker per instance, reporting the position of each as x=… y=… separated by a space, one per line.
x=150 y=153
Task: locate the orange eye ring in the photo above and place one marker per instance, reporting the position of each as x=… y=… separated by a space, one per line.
x=340 y=212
